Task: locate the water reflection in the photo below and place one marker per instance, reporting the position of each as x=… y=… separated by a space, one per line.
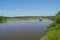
x=1 y=22
x=40 y=20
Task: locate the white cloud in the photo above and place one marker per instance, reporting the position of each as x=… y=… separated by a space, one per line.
x=17 y=9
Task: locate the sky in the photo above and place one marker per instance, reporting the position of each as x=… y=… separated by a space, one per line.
x=29 y=7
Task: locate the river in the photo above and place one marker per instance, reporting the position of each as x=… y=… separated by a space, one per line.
x=23 y=29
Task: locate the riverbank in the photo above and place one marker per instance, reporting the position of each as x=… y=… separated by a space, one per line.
x=52 y=32
x=28 y=17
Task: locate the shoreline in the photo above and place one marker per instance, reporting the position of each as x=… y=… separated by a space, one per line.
x=51 y=32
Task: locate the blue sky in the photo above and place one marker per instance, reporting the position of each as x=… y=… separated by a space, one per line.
x=29 y=7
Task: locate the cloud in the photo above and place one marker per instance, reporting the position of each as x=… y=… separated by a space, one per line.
x=17 y=9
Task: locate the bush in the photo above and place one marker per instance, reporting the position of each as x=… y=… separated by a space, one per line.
x=1 y=18
x=57 y=19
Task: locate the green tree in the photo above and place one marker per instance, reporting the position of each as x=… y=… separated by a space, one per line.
x=1 y=18
x=57 y=18
x=58 y=13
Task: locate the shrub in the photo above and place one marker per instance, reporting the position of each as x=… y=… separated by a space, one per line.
x=57 y=19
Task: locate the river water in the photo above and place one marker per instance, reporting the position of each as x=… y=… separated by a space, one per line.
x=23 y=29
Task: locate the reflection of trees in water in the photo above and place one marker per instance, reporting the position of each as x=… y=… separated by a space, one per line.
x=3 y=21
x=40 y=20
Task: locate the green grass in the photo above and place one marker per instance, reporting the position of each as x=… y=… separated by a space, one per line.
x=52 y=32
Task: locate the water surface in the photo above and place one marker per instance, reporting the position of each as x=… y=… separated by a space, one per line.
x=23 y=29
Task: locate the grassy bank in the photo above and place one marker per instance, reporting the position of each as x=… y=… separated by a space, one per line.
x=52 y=32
